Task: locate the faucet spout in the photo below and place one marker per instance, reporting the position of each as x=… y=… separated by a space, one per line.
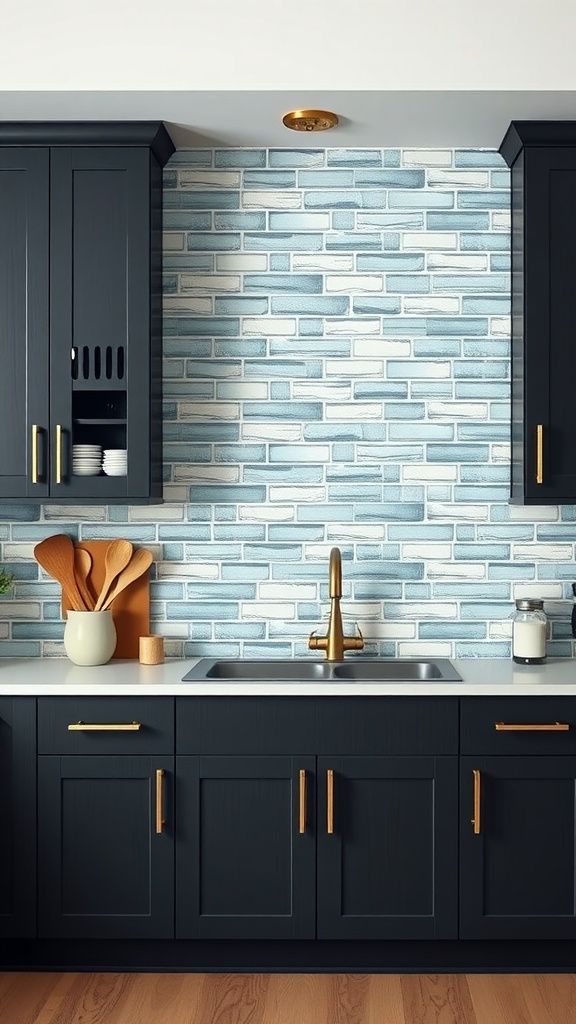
x=335 y=643
x=335 y=573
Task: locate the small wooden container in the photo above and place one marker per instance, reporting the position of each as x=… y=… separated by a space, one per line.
x=151 y=650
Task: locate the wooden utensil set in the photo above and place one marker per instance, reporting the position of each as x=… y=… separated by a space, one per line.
x=71 y=567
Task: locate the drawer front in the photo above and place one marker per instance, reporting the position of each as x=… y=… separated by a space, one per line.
x=317 y=725
x=105 y=725
x=388 y=726
x=244 y=725
x=518 y=725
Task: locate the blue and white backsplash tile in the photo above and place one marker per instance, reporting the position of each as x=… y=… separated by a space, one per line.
x=336 y=371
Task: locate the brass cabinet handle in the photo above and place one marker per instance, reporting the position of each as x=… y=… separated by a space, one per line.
x=58 y=453
x=302 y=805
x=534 y=727
x=477 y=793
x=330 y=802
x=540 y=453
x=159 y=801
x=35 y=468
x=104 y=727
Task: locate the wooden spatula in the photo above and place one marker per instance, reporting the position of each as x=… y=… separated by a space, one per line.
x=141 y=561
x=56 y=555
x=82 y=566
x=116 y=559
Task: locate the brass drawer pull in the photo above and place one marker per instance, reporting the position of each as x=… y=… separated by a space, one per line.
x=539 y=454
x=159 y=801
x=330 y=802
x=35 y=467
x=101 y=727
x=477 y=794
x=58 y=453
x=302 y=805
x=536 y=727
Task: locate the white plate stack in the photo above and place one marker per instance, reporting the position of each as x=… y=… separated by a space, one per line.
x=115 y=462
x=86 y=459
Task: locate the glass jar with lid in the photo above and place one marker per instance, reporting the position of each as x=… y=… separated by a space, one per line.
x=529 y=629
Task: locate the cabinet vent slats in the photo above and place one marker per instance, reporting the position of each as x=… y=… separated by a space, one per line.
x=98 y=363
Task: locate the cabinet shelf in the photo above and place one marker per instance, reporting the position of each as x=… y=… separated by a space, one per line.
x=93 y=422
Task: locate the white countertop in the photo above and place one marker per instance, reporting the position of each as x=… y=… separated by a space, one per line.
x=480 y=677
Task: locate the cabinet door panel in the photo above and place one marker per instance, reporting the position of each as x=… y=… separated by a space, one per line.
x=550 y=324
x=388 y=869
x=24 y=217
x=106 y=872
x=18 y=816
x=244 y=868
x=517 y=874
x=100 y=312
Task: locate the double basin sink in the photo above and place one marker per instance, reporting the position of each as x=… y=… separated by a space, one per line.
x=359 y=670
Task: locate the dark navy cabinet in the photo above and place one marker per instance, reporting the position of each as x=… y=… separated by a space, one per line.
x=246 y=848
x=405 y=830
x=106 y=818
x=18 y=817
x=80 y=321
x=387 y=847
x=518 y=819
x=305 y=844
x=542 y=157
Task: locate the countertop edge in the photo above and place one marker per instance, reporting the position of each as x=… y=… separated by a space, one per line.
x=487 y=677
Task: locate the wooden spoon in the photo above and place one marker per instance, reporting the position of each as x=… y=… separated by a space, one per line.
x=82 y=566
x=117 y=557
x=141 y=561
x=56 y=555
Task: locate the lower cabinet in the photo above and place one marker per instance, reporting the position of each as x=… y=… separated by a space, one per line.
x=315 y=845
x=518 y=819
x=17 y=816
x=518 y=864
x=105 y=844
x=262 y=818
x=387 y=847
x=106 y=818
x=246 y=851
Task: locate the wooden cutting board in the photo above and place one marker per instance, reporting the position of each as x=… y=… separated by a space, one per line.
x=130 y=610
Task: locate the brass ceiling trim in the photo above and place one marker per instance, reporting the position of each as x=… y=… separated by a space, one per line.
x=310 y=120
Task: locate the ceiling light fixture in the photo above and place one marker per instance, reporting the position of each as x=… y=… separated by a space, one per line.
x=310 y=120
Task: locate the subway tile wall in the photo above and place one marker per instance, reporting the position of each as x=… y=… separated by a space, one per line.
x=336 y=372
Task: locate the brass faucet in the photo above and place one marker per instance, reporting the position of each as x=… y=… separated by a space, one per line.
x=335 y=643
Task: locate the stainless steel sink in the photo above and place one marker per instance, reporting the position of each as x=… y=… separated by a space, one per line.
x=397 y=670
x=276 y=671
x=359 y=670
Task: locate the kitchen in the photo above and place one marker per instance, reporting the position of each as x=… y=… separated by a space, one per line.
x=270 y=464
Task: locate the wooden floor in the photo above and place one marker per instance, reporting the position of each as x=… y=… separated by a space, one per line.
x=287 y=999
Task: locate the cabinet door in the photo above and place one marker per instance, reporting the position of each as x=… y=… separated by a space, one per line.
x=100 y=372
x=18 y=816
x=544 y=325
x=517 y=870
x=24 y=220
x=246 y=851
x=107 y=861
x=387 y=847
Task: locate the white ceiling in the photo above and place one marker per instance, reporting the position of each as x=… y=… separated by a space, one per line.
x=223 y=72
x=374 y=118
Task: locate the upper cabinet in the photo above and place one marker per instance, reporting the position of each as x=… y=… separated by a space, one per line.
x=80 y=308
x=542 y=156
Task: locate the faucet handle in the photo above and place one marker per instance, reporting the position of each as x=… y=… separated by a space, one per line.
x=317 y=643
x=354 y=643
